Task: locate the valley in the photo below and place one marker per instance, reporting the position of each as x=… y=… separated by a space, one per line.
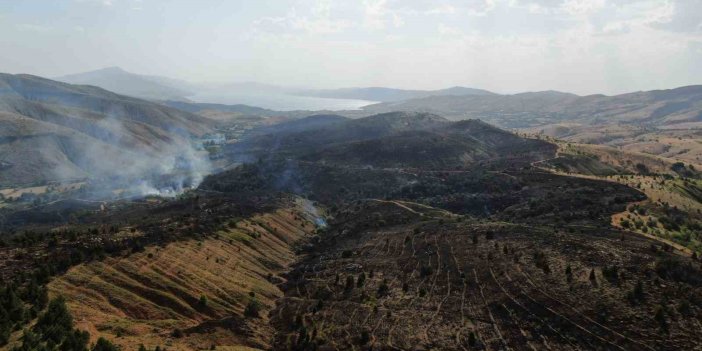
x=333 y=231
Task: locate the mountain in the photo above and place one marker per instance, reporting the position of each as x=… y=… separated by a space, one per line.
x=390 y=94
x=57 y=131
x=122 y=82
x=398 y=140
x=674 y=108
x=396 y=231
x=317 y=131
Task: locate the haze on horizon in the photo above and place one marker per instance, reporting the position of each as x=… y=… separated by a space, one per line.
x=579 y=46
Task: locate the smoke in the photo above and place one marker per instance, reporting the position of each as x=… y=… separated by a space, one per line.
x=127 y=158
x=312 y=210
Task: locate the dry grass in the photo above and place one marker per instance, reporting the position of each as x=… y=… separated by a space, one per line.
x=144 y=297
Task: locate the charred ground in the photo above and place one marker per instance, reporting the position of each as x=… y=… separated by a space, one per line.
x=438 y=235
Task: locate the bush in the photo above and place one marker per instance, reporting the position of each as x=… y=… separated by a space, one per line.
x=177 y=333
x=349 y=284
x=252 y=309
x=383 y=289
x=203 y=301
x=361 y=279
x=365 y=337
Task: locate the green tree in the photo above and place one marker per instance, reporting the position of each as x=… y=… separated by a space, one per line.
x=104 y=345
x=56 y=323
x=76 y=341
x=361 y=279
x=252 y=309
x=203 y=301
x=31 y=341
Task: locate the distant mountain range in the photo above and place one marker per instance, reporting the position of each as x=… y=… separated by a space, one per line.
x=51 y=130
x=391 y=95
x=673 y=108
x=120 y=81
x=162 y=88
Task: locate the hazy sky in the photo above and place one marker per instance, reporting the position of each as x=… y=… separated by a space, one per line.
x=581 y=46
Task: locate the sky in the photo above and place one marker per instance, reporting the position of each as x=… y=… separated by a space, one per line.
x=507 y=46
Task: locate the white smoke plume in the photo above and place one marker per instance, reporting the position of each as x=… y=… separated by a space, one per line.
x=130 y=159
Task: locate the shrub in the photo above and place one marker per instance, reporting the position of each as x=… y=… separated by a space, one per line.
x=252 y=309
x=472 y=339
x=203 y=301
x=349 y=284
x=177 y=333
x=425 y=271
x=365 y=337
x=661 y=318
x=383 y=289
x=361 y=279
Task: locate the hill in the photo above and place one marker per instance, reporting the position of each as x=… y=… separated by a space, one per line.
x=427 y=234
x=200 y=288
x=122 y=82
x=316 y=131
x=390 y=94
x=674 y=108
x=57 y=131
x=450 y=147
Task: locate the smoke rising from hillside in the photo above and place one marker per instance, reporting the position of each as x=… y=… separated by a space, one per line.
x=116 y=160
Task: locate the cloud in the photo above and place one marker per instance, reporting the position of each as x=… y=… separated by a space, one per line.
x=680 y=16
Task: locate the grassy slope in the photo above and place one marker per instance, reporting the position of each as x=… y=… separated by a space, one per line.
x=142 y=298
x=663 y=192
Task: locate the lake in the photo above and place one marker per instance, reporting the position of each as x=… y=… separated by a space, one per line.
x=280 y=102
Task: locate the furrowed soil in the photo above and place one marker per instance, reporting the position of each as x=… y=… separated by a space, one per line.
x=391 y=277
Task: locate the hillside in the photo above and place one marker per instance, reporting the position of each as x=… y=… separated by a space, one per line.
x=454 y=146
x=421 y=278
x=145 y=297
x=122 y=82
x=395 y=231
x=316 y=131
x=390 y=94
x=53 y=131
x=674 y=108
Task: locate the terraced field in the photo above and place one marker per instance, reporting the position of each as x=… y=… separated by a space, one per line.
x=189 y=294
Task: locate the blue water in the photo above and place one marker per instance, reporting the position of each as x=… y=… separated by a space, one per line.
x=280 y=102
